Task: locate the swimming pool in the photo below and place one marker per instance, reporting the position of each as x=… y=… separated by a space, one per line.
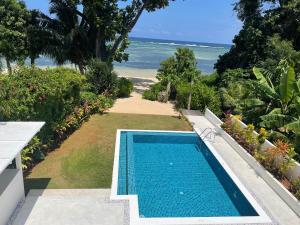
x=177 y=178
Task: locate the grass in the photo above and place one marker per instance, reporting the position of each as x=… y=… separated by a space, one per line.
x=85 y=159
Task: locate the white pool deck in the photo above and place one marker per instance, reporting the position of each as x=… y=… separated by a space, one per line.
x=92 y=206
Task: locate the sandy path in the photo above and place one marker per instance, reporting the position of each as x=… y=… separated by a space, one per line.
x=137 y=105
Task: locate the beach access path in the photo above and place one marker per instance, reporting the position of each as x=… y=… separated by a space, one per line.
x=135 y=104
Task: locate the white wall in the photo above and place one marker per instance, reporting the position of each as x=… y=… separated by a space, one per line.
x=11 y=191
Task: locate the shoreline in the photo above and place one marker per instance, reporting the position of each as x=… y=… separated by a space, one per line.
x=130 y=72
x=122 y=71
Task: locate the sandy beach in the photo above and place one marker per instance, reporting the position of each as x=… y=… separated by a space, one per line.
x=135 y=104
x=134 y=72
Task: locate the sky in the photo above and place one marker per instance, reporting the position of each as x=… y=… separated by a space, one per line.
x=210 y=21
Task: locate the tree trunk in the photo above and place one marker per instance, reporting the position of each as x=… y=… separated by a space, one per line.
x=32 y=61
x=168 y=89
x=190 y=96
x=98 y=53
x=9 y=69
x=81 y=68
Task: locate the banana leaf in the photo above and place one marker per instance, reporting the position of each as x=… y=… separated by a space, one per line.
x=286 y=86
x=275 y=121
x=294 y=126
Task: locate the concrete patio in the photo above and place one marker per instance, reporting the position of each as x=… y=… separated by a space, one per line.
x=70 y=207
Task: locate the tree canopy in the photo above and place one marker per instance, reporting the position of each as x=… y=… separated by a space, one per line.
x=13 y=21
x=85 y=29
x=263 y=19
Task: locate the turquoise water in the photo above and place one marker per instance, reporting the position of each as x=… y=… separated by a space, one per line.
x=176 y=175
x=148 y=53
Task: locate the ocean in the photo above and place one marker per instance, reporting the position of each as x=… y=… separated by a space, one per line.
x=145 y=53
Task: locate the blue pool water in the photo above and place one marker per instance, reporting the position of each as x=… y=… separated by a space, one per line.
x=176 y=175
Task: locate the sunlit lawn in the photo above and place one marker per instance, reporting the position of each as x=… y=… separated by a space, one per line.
x=85 y=159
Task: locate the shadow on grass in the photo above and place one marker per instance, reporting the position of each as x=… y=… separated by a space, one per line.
x=35 y=183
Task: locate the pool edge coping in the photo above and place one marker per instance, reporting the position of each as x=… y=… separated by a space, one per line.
x=135 y=219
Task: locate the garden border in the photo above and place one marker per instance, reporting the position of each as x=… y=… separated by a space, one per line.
x=289 y=199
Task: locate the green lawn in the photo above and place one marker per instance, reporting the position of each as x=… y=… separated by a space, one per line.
x=85 y=159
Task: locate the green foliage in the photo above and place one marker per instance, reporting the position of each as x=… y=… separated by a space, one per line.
x=262 y=22
x=202 y=97
x=13 y=22
x=32 y=152
x=32 y=94
x=152 y=93
x=231 y=76
x=101 y=77
x=295 y=188
x=277 y=159
x=95 y=103
x=125 y=87
x=167 y=74
x=210 y=80
x=278 y=49
x=244 y=136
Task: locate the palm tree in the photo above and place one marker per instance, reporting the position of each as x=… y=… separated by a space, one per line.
x=67 y=35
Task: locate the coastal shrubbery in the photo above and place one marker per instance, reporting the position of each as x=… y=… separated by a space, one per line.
x=124 y=87
x=55 y=96
x=152 y=93
x=180 y=80
x=202 y=97
x=101 y=78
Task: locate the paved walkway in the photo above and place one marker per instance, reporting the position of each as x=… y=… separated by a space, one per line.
x=135 y=104
x=71 y=207
x=273 y=205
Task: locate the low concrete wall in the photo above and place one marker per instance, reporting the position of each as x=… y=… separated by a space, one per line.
x=269 y=178
x=11 y=191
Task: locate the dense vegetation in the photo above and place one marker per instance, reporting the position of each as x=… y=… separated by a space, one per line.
x=60 y=97
x=180 y=80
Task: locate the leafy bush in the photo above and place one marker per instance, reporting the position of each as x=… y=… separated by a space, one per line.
x=95 y=103
x=40 y=95
x=101 y=77
x=210 y=80
x=125 y=87
x=202 y=97
x=152 y=93
x=295 y=188
x=53 y=96
x=277 y=159
x=244 y=136
x=232 y=75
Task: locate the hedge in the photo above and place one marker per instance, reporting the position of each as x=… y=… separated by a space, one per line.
x=50 y=95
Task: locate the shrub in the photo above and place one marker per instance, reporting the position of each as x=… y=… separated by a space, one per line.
x=101 y=77
x=53 y=96
x=32 y=94
x=152 y=93
x=162 y=96
x=125 y=87
x=202 y=97
x=277 y=159
x=95 y=103
x=295 y=188
x=244 y=136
